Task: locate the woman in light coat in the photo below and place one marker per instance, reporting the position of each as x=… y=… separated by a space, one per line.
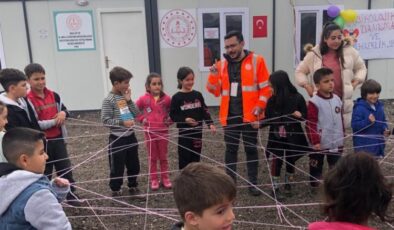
x=348 y=67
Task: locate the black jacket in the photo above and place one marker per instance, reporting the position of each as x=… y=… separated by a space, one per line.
x=275 y=118
x=18 y=117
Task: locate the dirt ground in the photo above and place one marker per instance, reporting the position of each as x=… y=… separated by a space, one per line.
x=88 y=153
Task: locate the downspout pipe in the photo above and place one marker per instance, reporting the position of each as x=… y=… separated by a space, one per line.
x=274 y=33
x=27 y=30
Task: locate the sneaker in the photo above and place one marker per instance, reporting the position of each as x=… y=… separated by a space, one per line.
x=278 y=194
x=167 y=183
x=136 y=194
x=117 y=193
x=154 y=185
x=288 y=180
x=254 y=191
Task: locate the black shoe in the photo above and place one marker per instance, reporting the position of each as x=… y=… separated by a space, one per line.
x=117 y=193
x=278 y=195
x=288 y=190
x=136 y=194
x=74 y=200
x=254 y=191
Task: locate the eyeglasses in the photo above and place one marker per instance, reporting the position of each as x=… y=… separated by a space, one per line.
x=231 y=46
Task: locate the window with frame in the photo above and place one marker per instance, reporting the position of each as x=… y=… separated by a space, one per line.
x=213 y=26
x=309 y=24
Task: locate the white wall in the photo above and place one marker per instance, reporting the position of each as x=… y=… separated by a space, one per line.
x=173 y=58
x=78 y=76
x=13 y=31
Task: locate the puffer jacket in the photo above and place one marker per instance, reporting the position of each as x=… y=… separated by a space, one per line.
x=354 y=68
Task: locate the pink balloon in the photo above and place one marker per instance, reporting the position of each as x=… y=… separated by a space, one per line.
x=333 y=11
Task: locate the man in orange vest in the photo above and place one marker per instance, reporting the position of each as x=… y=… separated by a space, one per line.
x=241 y=79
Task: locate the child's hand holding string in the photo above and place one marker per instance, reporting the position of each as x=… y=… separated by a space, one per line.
x=297 y=114
x=61 y=182
x=191 y=121
x=212 y=127
x=371 y=118
x=386 y=133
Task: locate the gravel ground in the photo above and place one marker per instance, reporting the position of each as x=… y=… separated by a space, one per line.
x=87 y=150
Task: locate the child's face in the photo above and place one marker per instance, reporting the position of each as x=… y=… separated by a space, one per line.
x=188 y=82
x=36 y=162
x=334 y=41
x=217 y=217
x=326 y=84
x=3 y=118
x=37 y=82
x=122 y=86
x=155 y=86
x=19 y=90
x=372 y=98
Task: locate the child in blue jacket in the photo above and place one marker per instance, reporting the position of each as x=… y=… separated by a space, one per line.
x=368 y=121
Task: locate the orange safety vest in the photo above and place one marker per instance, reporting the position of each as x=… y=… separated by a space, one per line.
x=254 y=84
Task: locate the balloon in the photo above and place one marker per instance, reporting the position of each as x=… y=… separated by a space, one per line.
x=339 y=21
x=333 y=11
x=349 y=15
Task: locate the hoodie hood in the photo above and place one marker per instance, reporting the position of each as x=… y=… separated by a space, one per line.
x=21 y=103
x=363 y=103
x=12 y=182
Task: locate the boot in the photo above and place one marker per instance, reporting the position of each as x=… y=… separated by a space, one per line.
x=165 y=179
x=154 y=182
x=289 y=179
x=275 y=188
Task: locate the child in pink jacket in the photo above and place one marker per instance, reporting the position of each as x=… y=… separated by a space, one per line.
x=155 y=107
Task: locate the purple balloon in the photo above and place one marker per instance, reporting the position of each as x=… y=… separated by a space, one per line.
x=333 y=11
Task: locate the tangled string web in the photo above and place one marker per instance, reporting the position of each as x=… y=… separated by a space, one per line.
x=88 y=146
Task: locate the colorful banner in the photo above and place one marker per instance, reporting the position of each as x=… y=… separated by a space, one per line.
x=373 y=33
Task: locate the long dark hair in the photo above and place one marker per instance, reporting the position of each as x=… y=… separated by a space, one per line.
x=183 y=72
x=327 y=30
x=283 y=89
x=355 y=188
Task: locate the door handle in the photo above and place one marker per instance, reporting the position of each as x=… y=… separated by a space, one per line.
x=106 y=60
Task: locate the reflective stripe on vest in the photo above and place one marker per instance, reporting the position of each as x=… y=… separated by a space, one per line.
x=262 y=98
x=225 y=93
x=254 y=68
x=263 y=84
x=249 y=88
x=211 y=86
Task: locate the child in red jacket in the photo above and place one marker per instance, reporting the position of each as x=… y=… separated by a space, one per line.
x=155 y=107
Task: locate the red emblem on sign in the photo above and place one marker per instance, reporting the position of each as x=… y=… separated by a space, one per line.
x=178 y=28
x=259 y=26
x=74 y=22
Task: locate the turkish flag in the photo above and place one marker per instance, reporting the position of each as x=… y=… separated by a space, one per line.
x=259 y=26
